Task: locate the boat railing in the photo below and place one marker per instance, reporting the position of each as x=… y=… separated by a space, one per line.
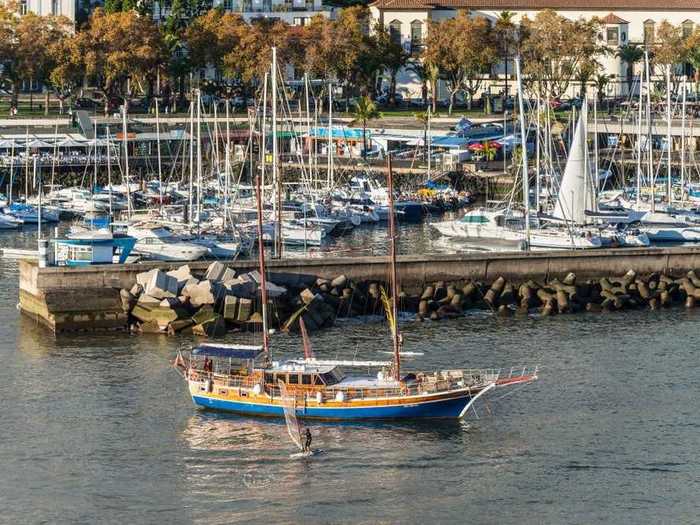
x=223 y=380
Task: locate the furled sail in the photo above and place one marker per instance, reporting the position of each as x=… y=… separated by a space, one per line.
x=577 y=192
x=289 y=403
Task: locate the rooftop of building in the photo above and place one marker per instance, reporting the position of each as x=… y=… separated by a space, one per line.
x=583 y=5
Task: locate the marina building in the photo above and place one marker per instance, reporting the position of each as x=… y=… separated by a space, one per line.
x=623 y=22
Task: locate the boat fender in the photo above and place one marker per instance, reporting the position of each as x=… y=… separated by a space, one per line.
x=340 y=397
x=257 y=390
x=319 y=397
x=380 y=375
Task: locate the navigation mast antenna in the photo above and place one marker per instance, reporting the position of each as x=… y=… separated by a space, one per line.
x=261 y=262
x=395 y=334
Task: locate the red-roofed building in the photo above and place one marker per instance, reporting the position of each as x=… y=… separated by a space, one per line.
x=622 y=22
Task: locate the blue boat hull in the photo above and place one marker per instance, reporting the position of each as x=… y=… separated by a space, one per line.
x=442 y=408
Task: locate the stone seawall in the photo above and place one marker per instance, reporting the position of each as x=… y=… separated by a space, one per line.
x=67 y=299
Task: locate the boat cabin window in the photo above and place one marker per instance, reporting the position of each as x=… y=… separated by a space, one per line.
x=293 y=379
x=269 y=378
x=305 y=379
x=475 y=219
x=332 y=377
x=499 y=220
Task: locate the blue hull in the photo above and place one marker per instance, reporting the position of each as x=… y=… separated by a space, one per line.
x=444 y=408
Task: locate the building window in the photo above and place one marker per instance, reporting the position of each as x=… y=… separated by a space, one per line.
x=416 y=36
x=55 y=7
x=623 y=37
x=395 y=32
x=23 y=7
x=300 y=20
x=613 y=36
x=228 y=5
x=649 y=31
x=688 y=27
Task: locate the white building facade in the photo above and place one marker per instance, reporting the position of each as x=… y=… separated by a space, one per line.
x=67 y=8
x=293 y=12
x=623 y=22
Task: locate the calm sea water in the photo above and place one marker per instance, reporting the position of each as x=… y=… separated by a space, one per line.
x=100 y=429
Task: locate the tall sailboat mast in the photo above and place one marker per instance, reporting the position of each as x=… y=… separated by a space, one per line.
x=126 y=161
x=160 y=165
x=261 y=262
x=395 y=334
x=523 y=147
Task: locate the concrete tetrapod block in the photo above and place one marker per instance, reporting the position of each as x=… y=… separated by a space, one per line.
x=162 y=285
x=144 y=277
x=245 y=308
x=200 y=294
x=228 y=275
x=215 y=272
x=183 y=276
x=240 y=288
x=273 y=290
x=127 y=299
x=230 y=307
x=148 y=301
x=213 y=328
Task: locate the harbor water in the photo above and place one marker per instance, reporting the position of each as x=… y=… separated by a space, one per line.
x=100 y=428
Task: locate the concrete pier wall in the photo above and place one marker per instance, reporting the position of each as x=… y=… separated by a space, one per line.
x=88 y=298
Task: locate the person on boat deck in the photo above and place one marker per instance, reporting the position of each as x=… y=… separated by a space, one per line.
x=307 y=445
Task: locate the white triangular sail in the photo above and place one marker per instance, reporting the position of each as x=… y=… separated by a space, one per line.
x=576 y=193
x=289 y=403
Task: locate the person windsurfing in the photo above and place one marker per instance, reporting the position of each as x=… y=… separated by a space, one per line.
x=307 y=444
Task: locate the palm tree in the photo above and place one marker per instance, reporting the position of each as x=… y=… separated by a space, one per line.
x=365 y=110
x=424 y=117
x=428 y=74
x=630 y=54
x=601 y=82
x=419 y=68
x=694 y=61
x=506 y=34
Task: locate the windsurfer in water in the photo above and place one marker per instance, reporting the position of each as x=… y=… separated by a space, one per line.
x=307 y=444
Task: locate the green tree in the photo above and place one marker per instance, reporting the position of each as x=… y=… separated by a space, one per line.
x=392 y=57
x=27 y=47
x=365 y=111
x=463 y=49
x=118 y=52
x=630 y=54
x=423 y=117
x=553 y=48
x=506 y=33
x=692 y=46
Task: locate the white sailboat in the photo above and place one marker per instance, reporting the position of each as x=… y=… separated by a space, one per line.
x=160 y=244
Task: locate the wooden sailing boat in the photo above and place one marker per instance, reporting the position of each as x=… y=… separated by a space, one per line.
x=226 y=377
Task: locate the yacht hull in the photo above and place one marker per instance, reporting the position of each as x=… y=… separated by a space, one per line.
x=446 y=405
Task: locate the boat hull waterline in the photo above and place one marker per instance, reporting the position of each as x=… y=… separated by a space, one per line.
x=451 y=405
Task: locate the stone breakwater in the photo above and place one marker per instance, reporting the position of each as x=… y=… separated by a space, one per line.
x=211 y=298
x=177 y=301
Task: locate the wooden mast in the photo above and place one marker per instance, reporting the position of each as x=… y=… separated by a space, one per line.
x=261 y=261
x=396 y=336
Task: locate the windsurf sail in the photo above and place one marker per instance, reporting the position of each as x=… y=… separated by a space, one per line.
x=289 y=403
x=308 y=352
